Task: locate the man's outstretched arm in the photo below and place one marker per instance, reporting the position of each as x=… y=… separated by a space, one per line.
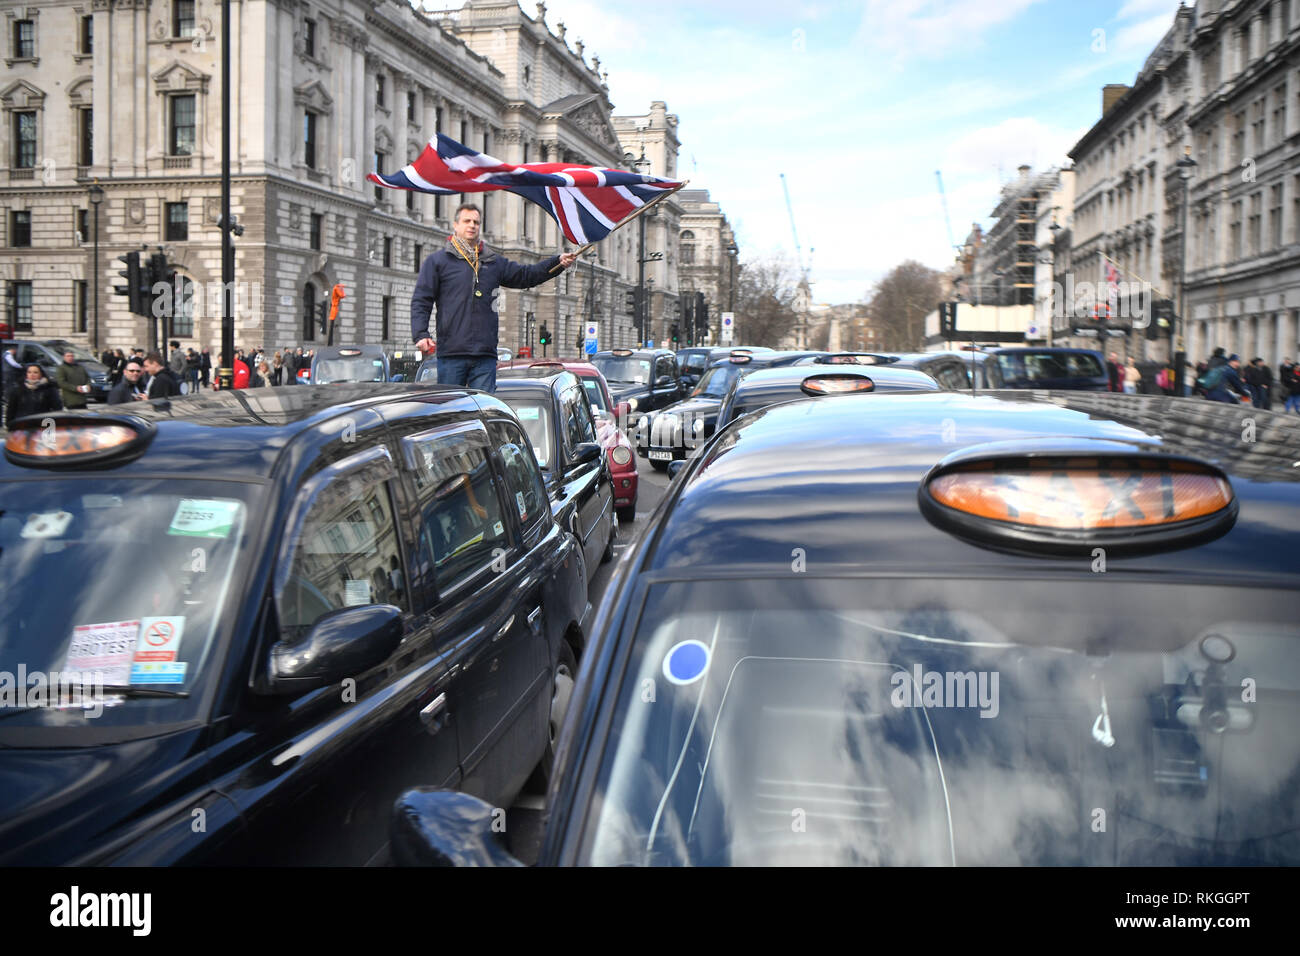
x=422 y=300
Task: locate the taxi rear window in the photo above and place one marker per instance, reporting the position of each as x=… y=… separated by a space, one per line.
x=815 y=721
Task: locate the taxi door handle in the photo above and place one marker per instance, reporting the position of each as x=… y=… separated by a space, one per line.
x=534 y=617
x=505 y=629
x=430 y=713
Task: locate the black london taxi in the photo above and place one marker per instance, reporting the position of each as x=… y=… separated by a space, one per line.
x=335 y=364
x=674 y=432
x=641 y=379
x=775 y=385
x=695 y=360
x=1058 y=368
x=1015 y=628
x=553 y=408
x=243 y=623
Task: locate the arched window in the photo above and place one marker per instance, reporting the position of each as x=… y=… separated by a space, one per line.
x=687 y=235
x=309 y=313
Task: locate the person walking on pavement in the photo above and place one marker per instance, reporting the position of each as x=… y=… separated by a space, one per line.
x=33 y=395
x=1260 y=379
x=130 y=388
x=73 y=382
x=162 y=383
x=1131 y=377
x=1289 y=378
x=205 y=367
x=1115 y=372
x=277 y=369
x=462 y=281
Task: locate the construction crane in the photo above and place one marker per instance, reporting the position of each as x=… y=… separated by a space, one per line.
x=946 y=220
x=798 y=250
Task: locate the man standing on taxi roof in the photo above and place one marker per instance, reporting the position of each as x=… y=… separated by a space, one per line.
x=462 y=281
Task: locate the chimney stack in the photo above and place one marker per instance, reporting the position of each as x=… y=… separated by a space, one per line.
x=1110 y=95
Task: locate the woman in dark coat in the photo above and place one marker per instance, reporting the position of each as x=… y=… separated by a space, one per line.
x=33 y=395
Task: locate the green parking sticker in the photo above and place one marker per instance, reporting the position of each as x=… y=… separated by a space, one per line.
x=204 y=518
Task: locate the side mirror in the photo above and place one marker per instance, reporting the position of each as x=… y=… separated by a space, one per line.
x=663 y=381
x=340 y=644
x=445 y=828
x=585 y=453
x=674 y=467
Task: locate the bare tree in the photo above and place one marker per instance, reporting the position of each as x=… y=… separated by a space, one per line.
x=900 y=302
x=765 y=291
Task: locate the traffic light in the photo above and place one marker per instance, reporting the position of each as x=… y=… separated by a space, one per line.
x=947 y=318
x=1162 y=319
x=629 y=301
x=701 y=316
x=134 y=279
x=544 y=336
x=162 y=273
x=676 y=336
x=323 y=313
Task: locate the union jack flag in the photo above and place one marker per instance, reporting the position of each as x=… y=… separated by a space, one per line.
x=587 y=202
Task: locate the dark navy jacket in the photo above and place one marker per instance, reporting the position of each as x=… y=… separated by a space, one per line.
x=467 y=324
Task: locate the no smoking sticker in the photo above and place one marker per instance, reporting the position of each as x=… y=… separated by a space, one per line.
x=160 y=638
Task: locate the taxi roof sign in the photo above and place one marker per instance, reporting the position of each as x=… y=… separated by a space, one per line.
x=833 y=384
x=62 y=440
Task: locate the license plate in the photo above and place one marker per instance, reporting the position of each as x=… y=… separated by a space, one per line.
x=660 y=455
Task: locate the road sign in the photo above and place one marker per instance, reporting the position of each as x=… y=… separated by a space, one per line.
x=728 y=327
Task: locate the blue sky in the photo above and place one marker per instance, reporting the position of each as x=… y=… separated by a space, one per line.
x=858 y=103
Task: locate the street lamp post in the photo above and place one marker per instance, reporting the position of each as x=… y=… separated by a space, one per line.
x=641 y=311
x=1186 y=167
x=732 y=251
x=96 y=197
x=1055 y=229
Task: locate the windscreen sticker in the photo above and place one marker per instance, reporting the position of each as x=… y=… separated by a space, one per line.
x=685 y=663
x=160 y=639
x=47 y=524
x=529 y=413
x=204 y=518
x=356 y=593
x=523 y=508
x=160 y=672
x=106 y=648
x=498 y=529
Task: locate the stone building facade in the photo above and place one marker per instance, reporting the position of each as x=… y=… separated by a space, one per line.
x=707 y=265
x=126 y=94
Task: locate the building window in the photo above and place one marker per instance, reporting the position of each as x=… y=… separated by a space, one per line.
x=182 y=126
x=20 y=228
x=317 y=227
x=309 y=139
x=182 y=320
x=410 y=200
x=183 y=18
x=309 y=37
x=688 y=255
x=1275 y=217
x=437 y=207
x=86 y=137
x=87 y=34
x=178 y=222
x=385 y=317
x=83 y=225
x=379 y=91
x=20 y=306
x=410 y=107
x=24 y=39
x=25 y=140
x=309 y=313
x=388 y=252
x=464 y=132
x=80 y=305
x=1256 y=215
x=419 y=256
x=437 y=119
x=1234 y=232
x=380 y=159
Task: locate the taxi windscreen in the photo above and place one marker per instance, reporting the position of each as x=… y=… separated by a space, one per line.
x=594 y=395
x=1030 y=366
x=715 y=382
x=617 y=369
x=360 y=369
x=122 y=582
x=535 y=416
x=858 y=722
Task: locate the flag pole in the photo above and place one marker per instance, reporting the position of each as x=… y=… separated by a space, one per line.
x=660 y=198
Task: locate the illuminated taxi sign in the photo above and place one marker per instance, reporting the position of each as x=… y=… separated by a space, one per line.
x=835 y=384
x=349 y=353
x=1063 y=501
x=621 y=352
x=547 y=366
x=740 y=358
x=58 y=440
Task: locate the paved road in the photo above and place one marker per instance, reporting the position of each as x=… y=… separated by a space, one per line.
x=524 y=819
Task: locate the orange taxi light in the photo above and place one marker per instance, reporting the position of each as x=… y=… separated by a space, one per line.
x=55 y=440
x=1083 y=494
x=832 y=384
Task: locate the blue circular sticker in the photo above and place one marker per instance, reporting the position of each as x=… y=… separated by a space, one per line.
x=685 y=663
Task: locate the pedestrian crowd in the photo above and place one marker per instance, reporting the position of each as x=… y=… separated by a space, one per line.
x=1220 y=378
x=27 y=389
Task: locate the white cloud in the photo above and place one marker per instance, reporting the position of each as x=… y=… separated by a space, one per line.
x=932 y=28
